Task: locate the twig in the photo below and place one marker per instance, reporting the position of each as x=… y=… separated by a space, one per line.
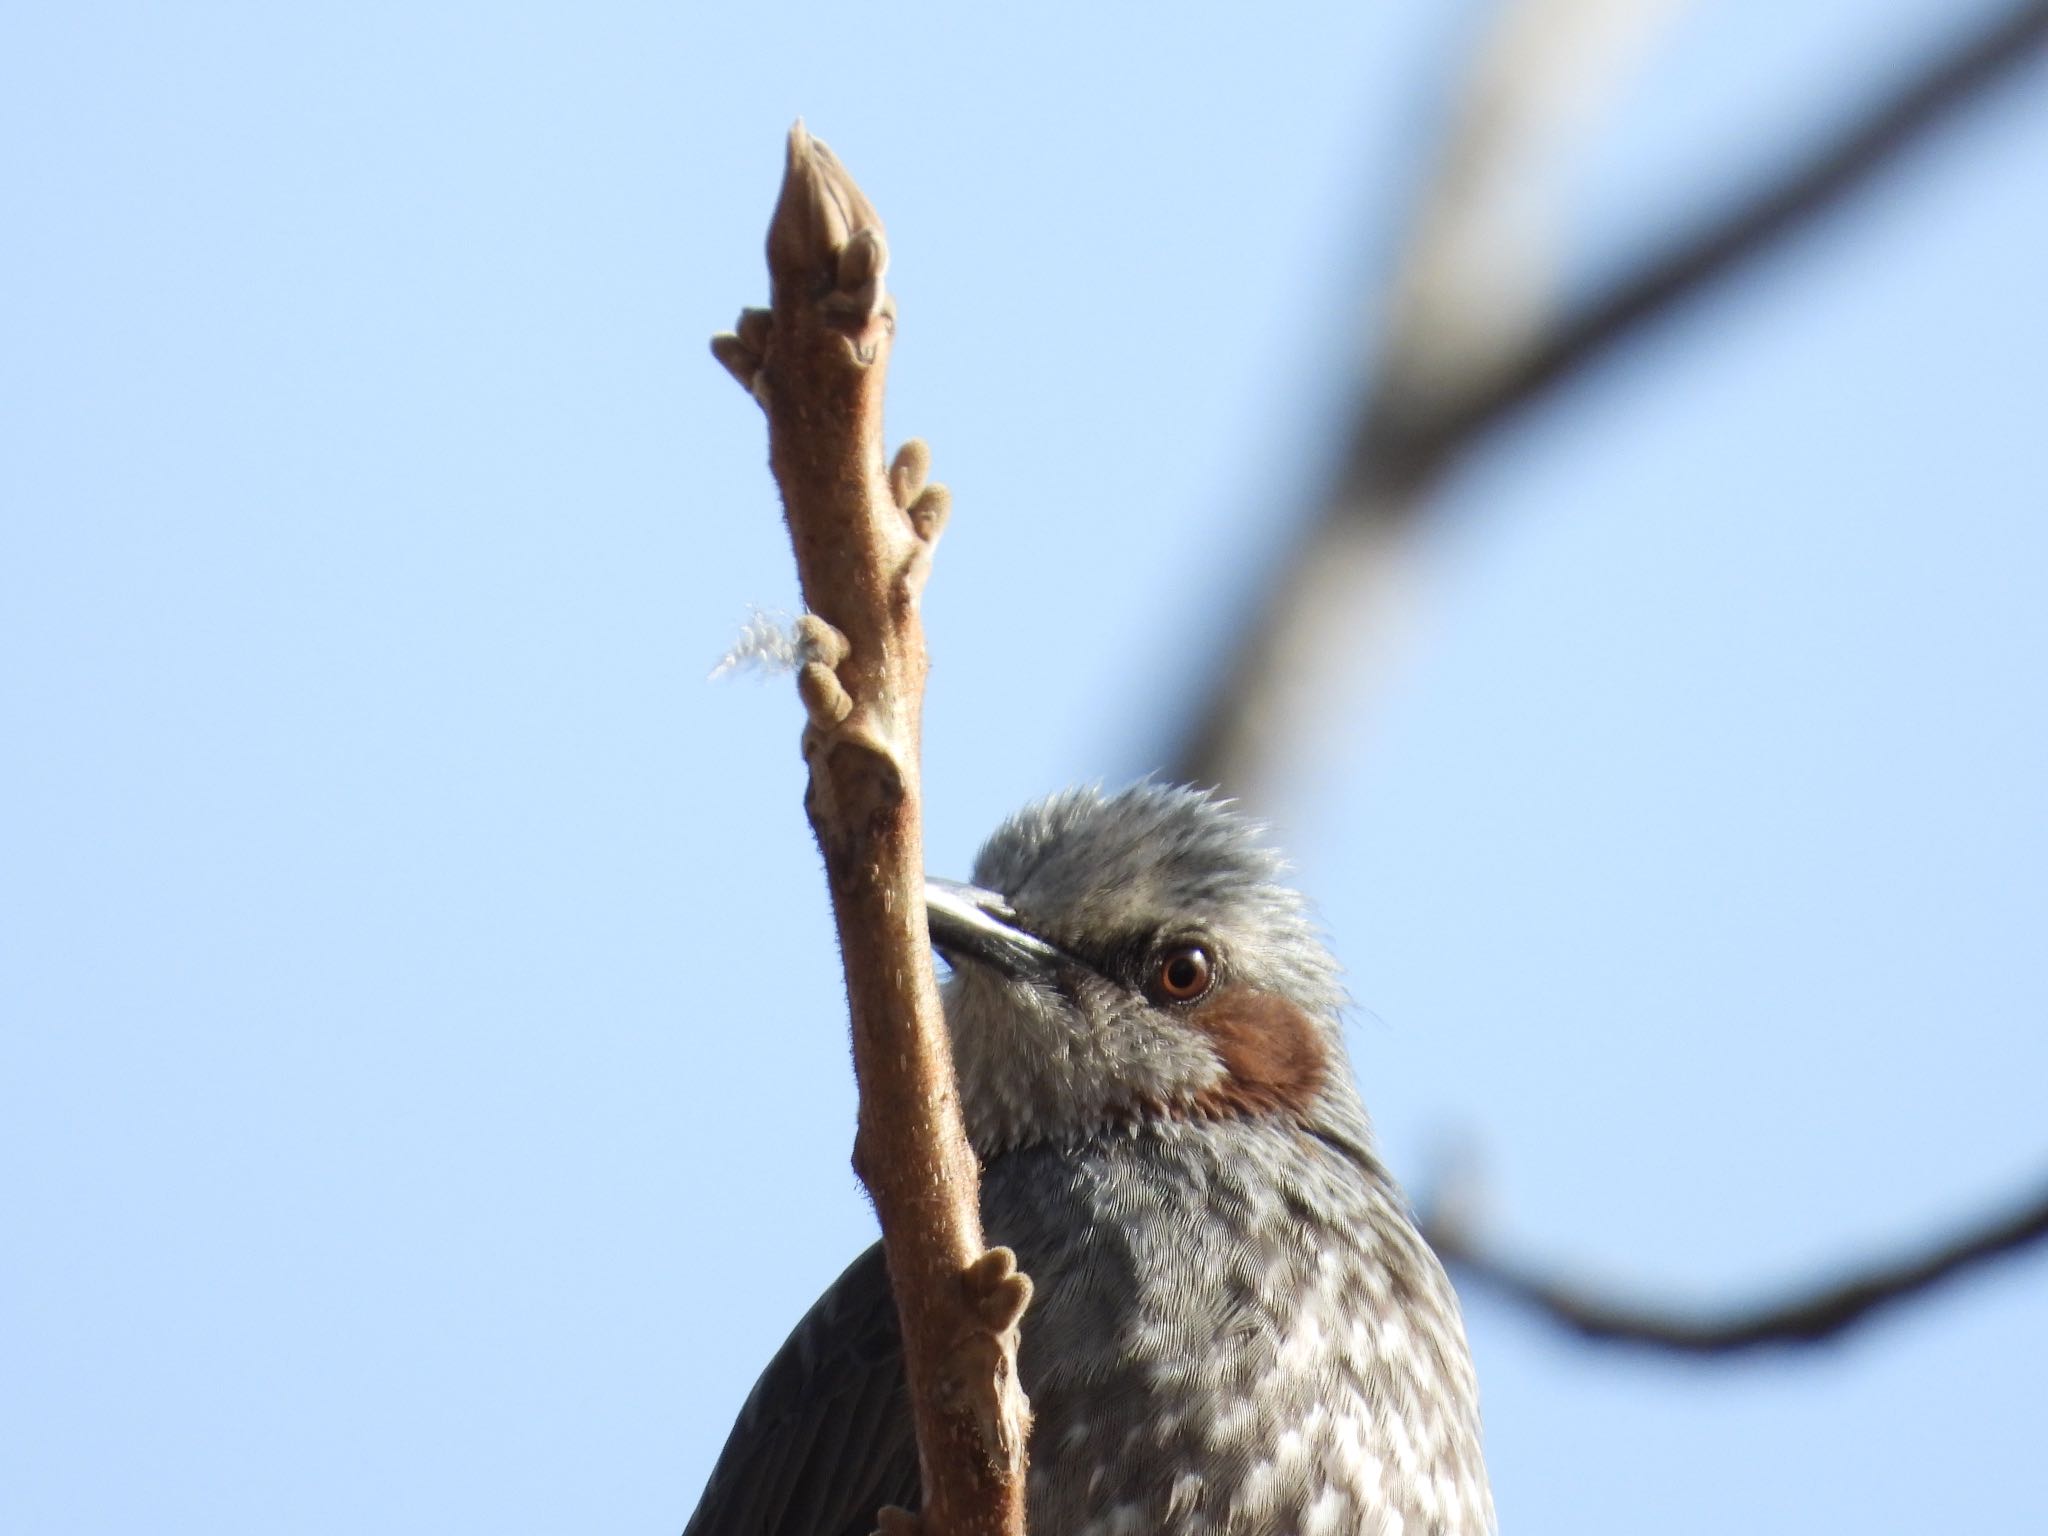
x=1822 y=1313
x=863 y=534
x=1403 y=445
x=1395 y=452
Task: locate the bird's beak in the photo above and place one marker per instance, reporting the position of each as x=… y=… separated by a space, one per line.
x=969 y=923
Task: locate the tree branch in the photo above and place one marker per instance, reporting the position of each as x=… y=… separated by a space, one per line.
x=1406 y=440
x=1806 y=1318
x=863 y=535
x=1397 y=449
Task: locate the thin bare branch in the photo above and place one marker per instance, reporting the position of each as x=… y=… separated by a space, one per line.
x=1405 y=442
x=1809 y=1317
x=1396 y=452
x=863 y=531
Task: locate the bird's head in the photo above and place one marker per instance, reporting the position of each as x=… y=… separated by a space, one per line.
x=1130 y=959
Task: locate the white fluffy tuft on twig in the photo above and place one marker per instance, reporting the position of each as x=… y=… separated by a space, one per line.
x=768 y=643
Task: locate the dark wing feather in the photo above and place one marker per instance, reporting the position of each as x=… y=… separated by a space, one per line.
x=825 y=1438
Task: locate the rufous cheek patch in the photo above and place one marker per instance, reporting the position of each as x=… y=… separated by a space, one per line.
x=1274 y=1057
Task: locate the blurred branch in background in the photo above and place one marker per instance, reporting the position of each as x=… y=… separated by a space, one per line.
x=1463 y=355
x=1809 y=1318
x=1464 y=350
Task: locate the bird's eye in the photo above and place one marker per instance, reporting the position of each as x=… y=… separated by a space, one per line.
x=1184 y=974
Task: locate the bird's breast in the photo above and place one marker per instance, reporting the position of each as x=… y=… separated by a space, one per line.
x=1235 y=1328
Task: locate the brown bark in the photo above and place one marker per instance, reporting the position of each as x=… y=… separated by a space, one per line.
x=863 y=533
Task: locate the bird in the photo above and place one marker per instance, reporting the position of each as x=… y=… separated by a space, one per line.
x=1236 y=1325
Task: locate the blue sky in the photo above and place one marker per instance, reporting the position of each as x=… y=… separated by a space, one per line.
x=423 y=1093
